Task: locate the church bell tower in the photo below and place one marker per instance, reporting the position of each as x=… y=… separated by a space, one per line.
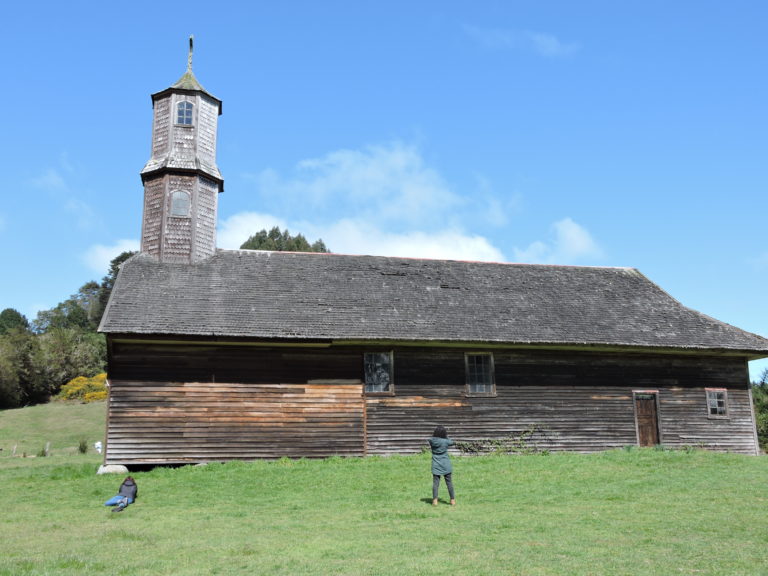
x=181 y=180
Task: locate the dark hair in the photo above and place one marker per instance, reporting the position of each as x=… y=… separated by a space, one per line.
x=129 y=478
x=440 y=432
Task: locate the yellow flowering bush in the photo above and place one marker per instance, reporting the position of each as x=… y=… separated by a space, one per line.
x=85 y=389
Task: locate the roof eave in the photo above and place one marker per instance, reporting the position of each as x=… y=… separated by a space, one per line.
x=172 y=89
x=301 y=341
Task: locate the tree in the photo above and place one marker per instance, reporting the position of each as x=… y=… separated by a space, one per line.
x=108 y=282
x=23 y=363
x=10 y=318
x=88 y=299
x=82 y=311
x=69 y=352
x=10 y=394
x=760 y=402
x=67 y=314
x=279 y=241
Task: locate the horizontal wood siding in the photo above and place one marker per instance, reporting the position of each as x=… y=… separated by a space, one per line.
x=684 y=421
x=180 y=403
x=576 y=401
x=166 y=422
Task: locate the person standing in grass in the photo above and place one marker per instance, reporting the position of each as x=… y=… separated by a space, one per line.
x=441 y=463
x=125 y=495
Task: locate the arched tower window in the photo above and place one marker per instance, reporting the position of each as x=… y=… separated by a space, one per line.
x=180 y=202
x=184 y=113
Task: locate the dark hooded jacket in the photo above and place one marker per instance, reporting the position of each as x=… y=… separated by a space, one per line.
x=129 y=489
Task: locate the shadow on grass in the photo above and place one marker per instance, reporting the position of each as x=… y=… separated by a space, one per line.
x=439 y=501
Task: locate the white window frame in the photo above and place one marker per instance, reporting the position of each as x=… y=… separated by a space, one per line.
x=186 y=114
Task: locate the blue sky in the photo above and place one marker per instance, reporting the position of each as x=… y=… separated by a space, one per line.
x=598 y=133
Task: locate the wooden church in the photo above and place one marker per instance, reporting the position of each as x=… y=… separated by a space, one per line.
x=234 y=354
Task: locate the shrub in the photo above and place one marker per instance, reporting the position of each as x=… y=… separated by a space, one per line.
x=85 y=389
x=529 y=441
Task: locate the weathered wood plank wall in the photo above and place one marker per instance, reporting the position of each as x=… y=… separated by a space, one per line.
x=200 y=422
x=580 y=402
x=178 y=403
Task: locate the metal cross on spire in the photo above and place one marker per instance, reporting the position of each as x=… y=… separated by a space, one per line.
x=189 y=58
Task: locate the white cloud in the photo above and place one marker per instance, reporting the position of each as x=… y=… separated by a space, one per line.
x=379 y=200
x=235 y=230
x=550 y=46
x=544 y=44
x=493 y=209
x=98 y=256
x=389 y=182
x=51 y=180
x=352 y=236
x=83 y=214
x=57 y=182
x=362 y=236
x=571 y=243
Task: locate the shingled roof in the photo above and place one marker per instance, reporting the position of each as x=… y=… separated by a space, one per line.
x=306 y=296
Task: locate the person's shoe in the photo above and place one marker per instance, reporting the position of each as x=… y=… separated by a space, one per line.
x=118 y=508
x=453 y=501
x=434 y=502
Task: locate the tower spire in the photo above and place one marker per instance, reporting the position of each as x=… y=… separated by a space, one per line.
x=189 y=57
x=181 y=179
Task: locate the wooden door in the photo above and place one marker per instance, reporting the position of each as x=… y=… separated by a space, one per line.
x=647 y=419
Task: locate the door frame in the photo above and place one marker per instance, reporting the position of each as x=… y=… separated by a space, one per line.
x=655 y=394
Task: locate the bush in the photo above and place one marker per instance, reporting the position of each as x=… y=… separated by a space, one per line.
x=85 y=389
x=760 y=402
x=529 y=441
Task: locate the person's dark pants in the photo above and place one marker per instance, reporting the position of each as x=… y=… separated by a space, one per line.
x=436 y=485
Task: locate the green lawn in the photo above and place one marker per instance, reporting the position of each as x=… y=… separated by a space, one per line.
x=60 y=424
x=624 y=512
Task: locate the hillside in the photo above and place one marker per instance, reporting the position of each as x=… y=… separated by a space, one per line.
x=63 y=424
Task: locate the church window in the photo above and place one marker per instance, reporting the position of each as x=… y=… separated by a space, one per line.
x=180 y=202
x=717 y=402
x=479 y=374
x=184 y=113
x=378 y=372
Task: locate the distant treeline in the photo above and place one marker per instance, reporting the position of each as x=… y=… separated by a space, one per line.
x=37 y=358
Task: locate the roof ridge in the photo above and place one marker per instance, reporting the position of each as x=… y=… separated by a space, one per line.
x=426 y=259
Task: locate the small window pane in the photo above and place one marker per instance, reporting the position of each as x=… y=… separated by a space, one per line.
x=479 y=373
x=717 y=402
x=378 y=372
x=180 y=204
x=184 y=113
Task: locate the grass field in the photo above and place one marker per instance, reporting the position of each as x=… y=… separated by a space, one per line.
x=62 y=425
x=618 y=513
